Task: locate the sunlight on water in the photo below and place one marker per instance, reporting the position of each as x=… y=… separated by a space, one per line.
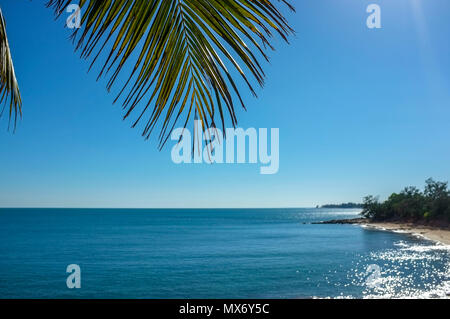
x=414 y=270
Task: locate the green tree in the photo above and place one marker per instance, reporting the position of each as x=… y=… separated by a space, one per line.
x=411 y=204
x=371 y=207
x=435 y=190
x=438 y=198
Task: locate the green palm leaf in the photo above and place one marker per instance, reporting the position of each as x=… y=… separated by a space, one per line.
x=9 y=88
x=187 y=54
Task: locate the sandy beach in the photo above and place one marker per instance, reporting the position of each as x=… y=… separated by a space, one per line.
x=435 y=233
x=432 y=233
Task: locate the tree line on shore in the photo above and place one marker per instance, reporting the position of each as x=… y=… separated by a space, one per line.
x=343 y=205
x=433 y=203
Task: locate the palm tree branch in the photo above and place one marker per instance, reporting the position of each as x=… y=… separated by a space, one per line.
x=9 y=87
x=186 y=54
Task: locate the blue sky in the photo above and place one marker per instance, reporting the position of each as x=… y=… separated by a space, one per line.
x=360 y=112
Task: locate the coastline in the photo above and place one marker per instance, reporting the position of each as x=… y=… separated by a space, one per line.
x=439 y=235
x=433 y=233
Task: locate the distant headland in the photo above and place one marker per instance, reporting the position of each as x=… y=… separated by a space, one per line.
x=343 y=205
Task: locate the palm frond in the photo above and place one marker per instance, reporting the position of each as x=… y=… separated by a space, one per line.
x=9 y=88
x=185 y=51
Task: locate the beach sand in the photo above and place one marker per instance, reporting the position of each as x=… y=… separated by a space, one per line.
x=431 y=233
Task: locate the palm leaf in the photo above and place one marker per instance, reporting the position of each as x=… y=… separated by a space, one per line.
x=186 y=54
x=9 y=88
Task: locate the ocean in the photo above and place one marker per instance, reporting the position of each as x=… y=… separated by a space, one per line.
x=213 y=253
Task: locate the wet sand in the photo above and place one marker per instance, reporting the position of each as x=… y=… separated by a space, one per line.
x=432 y=233
x=435 y=233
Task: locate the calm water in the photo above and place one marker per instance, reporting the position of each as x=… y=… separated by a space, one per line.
x=260 y=253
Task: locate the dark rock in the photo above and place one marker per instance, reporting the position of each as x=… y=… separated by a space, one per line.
x=344 y=221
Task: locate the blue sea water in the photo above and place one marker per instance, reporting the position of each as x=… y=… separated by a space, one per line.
x=212 y=253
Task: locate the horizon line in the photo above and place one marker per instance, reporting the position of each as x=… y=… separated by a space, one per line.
x=142 y=208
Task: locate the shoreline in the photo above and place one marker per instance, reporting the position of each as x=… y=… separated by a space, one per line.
x=437 y=234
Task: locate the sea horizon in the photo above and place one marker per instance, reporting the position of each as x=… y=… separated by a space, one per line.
x=180 y=208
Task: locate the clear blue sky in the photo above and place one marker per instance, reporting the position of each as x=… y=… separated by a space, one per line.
x=360 y=112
